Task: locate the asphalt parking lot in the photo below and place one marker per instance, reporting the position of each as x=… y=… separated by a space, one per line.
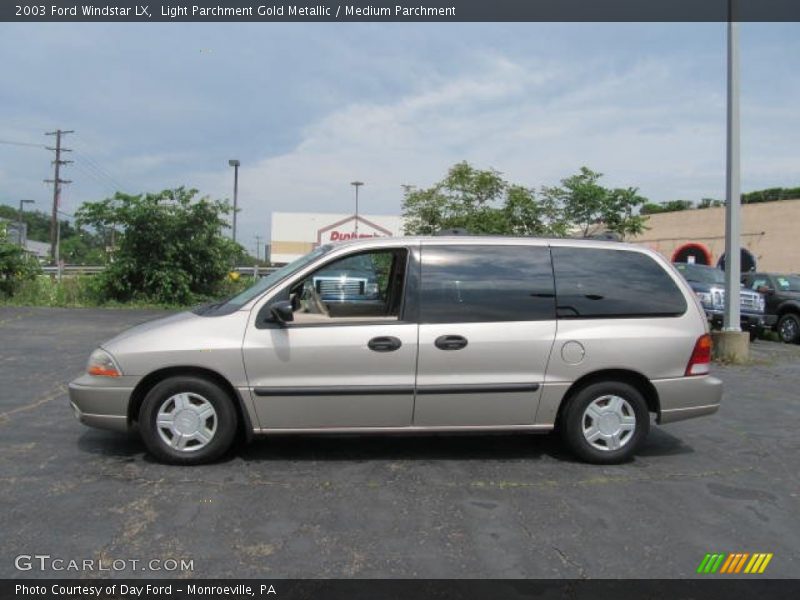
x=432 y=506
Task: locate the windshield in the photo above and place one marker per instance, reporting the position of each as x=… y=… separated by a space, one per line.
x=263 y=284
x=701 y=274
x=788 y=283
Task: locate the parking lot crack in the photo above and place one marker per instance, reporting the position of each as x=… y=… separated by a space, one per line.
x=565 y=558
x=58 y=391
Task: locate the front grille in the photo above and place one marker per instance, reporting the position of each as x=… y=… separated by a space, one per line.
x=339 y=286
x=748 y=301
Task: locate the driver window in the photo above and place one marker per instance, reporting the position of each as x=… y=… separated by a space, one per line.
x=367 y=286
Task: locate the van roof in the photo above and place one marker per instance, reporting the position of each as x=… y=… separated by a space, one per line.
x=489 y=239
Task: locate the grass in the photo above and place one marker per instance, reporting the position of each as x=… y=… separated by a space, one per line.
x=83 y=291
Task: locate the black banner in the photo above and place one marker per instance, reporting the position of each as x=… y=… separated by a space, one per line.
x=403 y=10
x=383 y=589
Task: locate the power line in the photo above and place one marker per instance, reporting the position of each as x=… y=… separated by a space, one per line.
x=13 y=143
x=92 y=163
x=104 y=183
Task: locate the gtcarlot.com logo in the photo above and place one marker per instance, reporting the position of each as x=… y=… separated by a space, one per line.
x=735 y=562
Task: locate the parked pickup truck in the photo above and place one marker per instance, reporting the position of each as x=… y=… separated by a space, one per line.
x=708 y=284
x=782 y=296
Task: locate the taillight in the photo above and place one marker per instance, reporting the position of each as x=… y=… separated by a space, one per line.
x=700 y=361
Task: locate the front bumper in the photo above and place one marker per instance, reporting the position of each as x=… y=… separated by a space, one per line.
x=747 y=320
x=687 y=397
x=102 y=401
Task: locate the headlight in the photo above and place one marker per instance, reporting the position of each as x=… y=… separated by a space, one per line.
x=718 y=297
x=371 y=289
x=101 y=364
x=704 y=297
x=761 y=303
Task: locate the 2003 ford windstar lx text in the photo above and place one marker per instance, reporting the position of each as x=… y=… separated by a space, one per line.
x=414 y=335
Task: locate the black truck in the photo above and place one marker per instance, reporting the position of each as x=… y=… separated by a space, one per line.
x=782 y=294
x=708 y=284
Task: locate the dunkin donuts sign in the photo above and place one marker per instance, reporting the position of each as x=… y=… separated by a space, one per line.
x=346 y=230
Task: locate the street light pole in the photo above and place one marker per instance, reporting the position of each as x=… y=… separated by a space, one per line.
x=356 y=184
x=733 y=223
x=235 y=164
x=19 y=219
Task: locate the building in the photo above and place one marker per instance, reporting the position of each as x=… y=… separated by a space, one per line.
x=15 y=230
x=770 y=235
x=296 y=234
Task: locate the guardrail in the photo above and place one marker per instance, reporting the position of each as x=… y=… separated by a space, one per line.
x=94 y=269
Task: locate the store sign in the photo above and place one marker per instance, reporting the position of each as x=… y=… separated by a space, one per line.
x=346 y=230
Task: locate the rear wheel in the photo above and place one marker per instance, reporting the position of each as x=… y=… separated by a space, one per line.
x=789 y=328
x=187 y=421
x=605 y=422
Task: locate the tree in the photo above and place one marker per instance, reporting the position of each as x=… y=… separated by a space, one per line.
x=590 y=207
x=709 y=203
x=16 y=265
x=169 y=245
x=481 y=202
x=77 y=247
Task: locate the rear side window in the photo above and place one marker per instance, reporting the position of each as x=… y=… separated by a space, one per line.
x=480 y=284
x=598 y=283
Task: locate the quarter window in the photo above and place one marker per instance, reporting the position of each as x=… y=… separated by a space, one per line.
x=472 y=284
x=600 y=283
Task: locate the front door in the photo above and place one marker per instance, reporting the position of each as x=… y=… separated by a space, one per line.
x=487 y=325
x=347 y=359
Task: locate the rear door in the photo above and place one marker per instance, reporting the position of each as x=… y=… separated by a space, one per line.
x=487 y=324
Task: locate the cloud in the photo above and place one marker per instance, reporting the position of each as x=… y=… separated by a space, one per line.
x=535 y=121
x=307 y=109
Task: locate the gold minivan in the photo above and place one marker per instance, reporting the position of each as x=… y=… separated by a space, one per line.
x=428 y=334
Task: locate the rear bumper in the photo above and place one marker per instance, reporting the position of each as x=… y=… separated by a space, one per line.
x=687 y=397
x=102 y=404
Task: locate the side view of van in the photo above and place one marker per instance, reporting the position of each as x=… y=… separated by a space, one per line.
x=395 y=335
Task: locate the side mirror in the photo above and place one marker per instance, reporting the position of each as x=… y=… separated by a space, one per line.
x=282 y=311
x=764 y=289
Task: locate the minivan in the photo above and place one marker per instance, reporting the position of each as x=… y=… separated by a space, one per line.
x=478 y=334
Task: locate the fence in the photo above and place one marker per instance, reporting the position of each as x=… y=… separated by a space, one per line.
x=94 y=269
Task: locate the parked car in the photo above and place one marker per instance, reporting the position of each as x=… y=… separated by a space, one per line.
x=474 y=334
x=782 y=294
x=708 y=284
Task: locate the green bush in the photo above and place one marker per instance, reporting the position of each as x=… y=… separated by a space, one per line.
x=16 y=266
x=45 y=290
x=171 y=249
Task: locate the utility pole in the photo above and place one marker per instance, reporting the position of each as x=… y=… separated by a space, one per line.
x=20 y=226
x=733 y=222
x=235 y=163
x=356 y=184
x=258 y=247
x=57 y=181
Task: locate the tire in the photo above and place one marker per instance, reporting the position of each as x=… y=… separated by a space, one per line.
x=187 y=421
x=789 y=328
x=755 y=333
x=627 y=410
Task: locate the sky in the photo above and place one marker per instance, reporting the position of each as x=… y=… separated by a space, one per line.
x=308 y=108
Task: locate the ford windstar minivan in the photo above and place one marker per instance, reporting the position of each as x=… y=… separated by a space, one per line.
x=419 y=335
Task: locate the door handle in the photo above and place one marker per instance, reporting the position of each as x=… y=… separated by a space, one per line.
x=384 y=344
x=451 y=342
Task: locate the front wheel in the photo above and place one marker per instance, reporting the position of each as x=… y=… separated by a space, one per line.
x=187 y=421
x=789 y=328
x=605 y=422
